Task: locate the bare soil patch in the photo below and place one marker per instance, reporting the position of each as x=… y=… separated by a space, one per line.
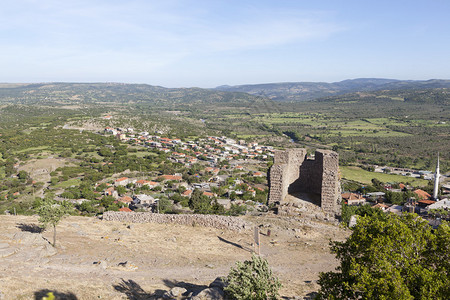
x=98 y=259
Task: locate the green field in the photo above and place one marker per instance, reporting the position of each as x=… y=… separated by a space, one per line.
x=366 y=133
x=141 y=154
x=245 y=136
x=363 y=176
x=68 y=183
x=32 y=149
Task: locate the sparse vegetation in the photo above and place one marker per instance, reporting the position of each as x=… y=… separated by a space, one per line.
x=51 y=213
x=252 y=279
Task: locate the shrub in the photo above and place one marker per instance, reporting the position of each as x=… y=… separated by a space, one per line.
x=398 y=257
x=252 y=279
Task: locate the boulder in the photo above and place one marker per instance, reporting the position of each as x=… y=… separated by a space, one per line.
x=210 y=293
x=219 y=282
x=174 y=293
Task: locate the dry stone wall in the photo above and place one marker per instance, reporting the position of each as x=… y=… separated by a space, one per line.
x=214 y=221
x=292 y=173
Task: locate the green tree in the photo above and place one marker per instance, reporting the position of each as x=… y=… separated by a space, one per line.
x=50 y=213
x=121 y=190
x=105 y=152
x=164 y=205
x=199 y=203
x=22 y=175
x=398 y=257
x=395 y=198
x=252 y=279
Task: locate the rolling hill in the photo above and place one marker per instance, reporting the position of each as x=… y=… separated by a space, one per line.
x=88 y=93
x=303 y=91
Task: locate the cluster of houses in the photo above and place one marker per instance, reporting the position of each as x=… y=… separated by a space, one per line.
x=209 y=151
x=130 y=201
x=424 y=174
x=422 y=202
x=214 y=149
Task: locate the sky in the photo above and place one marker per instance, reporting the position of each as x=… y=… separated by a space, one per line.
x=207 y=43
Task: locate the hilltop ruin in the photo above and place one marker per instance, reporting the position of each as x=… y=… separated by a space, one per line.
x=293 y=173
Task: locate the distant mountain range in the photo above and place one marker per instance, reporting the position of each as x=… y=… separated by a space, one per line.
x=303 y=91
x=364 y=89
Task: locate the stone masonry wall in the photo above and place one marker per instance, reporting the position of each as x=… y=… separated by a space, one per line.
x=284 y=172
x=214 y=221
x=292 y=173
x=331 y=193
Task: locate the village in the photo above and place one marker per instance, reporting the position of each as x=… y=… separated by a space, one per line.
x=233 y=174
x=228 y=172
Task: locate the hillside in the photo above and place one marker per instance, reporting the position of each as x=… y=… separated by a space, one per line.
x=111 y=260
x=302 y=91
x=91 y=93
x=438 y=96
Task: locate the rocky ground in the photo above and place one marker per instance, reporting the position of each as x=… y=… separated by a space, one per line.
x=96 y=259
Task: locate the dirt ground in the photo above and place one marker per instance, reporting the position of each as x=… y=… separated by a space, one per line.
x=97 y=259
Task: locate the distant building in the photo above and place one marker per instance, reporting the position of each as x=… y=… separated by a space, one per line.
x=123 y=181
x=353 y=199
x=187 y=193
x=171 y=177
x=442 y=204
x=143 y=199
x=381 y=206
x=422 y=194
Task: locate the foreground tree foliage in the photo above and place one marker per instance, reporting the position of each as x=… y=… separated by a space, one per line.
x=252 y=279
x=398 y=257
x=50 y=213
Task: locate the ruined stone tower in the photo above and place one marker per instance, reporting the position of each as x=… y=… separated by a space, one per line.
x=292 y=173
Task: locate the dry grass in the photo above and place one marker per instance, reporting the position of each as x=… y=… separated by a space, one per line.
x=165 y=256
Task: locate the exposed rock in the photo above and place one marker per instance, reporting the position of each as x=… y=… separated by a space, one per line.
x=174 y=293
x=103 y=264
x=128 y=266
x=5 y=252
x=29 y=239
x=210 y=293
x=353 y=221
x=219 y=282
x=47 y=250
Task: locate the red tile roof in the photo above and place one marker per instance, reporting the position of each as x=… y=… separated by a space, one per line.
x=422 y=194
x=427 y=202
x=121 y=179
x=381 y=206
x=171 y=177
x=187 y=192
x=125 y=199
x=125 y=209
x=351 y=196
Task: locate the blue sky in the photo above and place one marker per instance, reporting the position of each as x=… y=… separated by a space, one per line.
x=175 y=43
